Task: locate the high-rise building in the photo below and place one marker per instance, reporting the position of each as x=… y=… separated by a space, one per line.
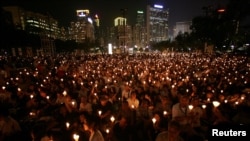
x=123 y=33
x=82 y=29
x=182 y=27
x=140 y=18
x=43 y=25
x=157 y=23
x=139 y=35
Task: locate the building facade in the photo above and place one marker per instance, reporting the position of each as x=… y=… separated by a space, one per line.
x=42 y=25
x=82 y=29
x=157 y=24
x=181 y=28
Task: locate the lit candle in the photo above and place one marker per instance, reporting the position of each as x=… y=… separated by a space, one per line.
x=165 y=113
x=225 y=101
x=67 y=125
x=133 y=106
x=154 y=120
x=204 y=106
x=73 y=103
x=76 y=137
x=31 y=96
x=112 y=118
x=190 y=107
x=64 y=92
x=100 y=112
x=216 y=103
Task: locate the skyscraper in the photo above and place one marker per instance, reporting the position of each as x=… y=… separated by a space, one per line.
x=157 y=23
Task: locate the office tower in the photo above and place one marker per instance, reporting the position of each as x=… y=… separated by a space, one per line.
x=157 y=23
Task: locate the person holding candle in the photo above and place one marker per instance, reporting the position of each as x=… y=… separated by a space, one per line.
x=180 y=110
x=196 y=112
x=121 y=130
x=91 y=125
x=171 y=132
x=133 y=100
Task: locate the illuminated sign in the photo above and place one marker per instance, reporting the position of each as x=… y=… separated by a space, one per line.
x=158 y=6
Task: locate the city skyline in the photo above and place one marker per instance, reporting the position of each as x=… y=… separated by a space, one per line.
x=65 y=11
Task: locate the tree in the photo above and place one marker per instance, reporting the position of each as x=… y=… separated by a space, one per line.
x=222 y=26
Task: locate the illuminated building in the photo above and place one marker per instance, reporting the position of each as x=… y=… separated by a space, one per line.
x=82 y=29
x=123 y=33
x=39 y=24
x=157 y=23
x=182 y=27
x=139 y=31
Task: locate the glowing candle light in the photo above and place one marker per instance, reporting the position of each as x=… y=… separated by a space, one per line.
x=190 y=107
x=107 y=131
x=67 y=125
x=216 y=103
x=100 y=112
x=76 y=137
x=64 y=92
x=165 y=113
x=208 y=99
x=154 y=120
x=31 y=96
x=133 y=106
x=73 y=103
x=204 y=106
x=225 y=101
x=112 y=119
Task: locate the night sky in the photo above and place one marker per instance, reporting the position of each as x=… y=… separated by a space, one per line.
x=65 y=10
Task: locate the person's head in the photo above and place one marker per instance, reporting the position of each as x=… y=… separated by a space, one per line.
x=133 y=94
x=184 y=100
x=125 y=105
x=91 y=123
x=195 y=102
x=164 y=99
x=145 y=103
x=103 y=99
x=174 y=128
x=123 y=122
x=84 y=99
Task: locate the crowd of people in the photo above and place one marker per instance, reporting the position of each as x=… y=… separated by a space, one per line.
x=141 y=97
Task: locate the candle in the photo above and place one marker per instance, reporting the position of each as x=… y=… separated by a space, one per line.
x=190 y=107
x=64 y=92
x=67 y=125
x=225 y=101
x=100 y=112
x=112 y=118
x=216 y=103
x=107 y=131
x=132 y=106
x=204 y=106
x=165 y=113
x=76 y=137
x=154 y=120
